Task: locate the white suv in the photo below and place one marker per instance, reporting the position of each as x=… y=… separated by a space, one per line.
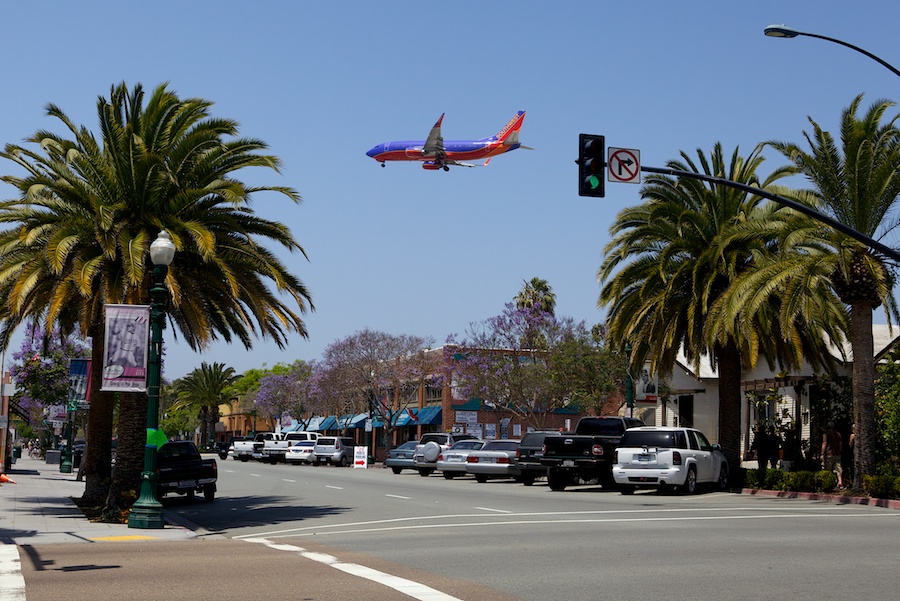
x=659 y=457
x=430 y=446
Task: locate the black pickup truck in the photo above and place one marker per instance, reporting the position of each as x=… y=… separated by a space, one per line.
x=586 y=454
x=183 y=471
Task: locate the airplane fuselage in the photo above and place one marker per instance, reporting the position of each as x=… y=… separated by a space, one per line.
x=436 y=153
x=455 y=150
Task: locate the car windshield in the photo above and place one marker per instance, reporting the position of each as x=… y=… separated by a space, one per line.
x=325 y=442
x=408 y=446
x=502 y=445
x=468 y=444
x=305 y=443
x=653 y=438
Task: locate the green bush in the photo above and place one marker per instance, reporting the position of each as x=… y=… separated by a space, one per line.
x=880 y=487
x=774 y=479
x=800 y=482
x=825 y=481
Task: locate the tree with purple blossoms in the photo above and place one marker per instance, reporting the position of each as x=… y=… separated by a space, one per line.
x=527 y=362
x=374 y=367
x=284 y=391
x=40 y=370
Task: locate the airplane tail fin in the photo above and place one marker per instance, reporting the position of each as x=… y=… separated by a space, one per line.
x=509 y=135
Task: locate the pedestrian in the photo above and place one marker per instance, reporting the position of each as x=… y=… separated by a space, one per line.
x=832 y=445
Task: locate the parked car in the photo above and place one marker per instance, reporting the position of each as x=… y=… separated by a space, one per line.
x=274 y=449
x=333 y=449
x=660 y=457
x=300 y=452
x=430 y=447
x=496 y=459
x=452 y=462
x=528 y=457
x=183 y=471
x=586 y=454
x=401 y=458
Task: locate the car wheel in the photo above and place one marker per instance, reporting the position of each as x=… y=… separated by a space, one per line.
x=397 y=470
x=344 y=462
x=424 y=471
x=690 y=481
x=527 y=479
x=430 y=451
x=245 y=459
x=448 y=475
x=626 y=490
x=723 y=477
x=480 y=478
x=556 y=480
x=209 y=492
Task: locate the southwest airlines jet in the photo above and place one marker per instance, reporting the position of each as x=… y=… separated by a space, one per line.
x=436 y=154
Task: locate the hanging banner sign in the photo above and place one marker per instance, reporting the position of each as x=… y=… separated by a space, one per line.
x=125 y=350
x=79 y=383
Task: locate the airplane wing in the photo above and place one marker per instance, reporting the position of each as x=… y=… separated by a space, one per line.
x=434 y=145
x=463 y=164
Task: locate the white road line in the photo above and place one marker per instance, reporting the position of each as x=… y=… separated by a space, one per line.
x=334 y=487
x=413 y=589
x=497 y=510
x=399 y=497
x=287 y=480
x=255 y=475
x=563 y=517
x=12 y=583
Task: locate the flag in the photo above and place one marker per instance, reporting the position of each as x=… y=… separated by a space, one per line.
x=156 y=438
x=412 y=416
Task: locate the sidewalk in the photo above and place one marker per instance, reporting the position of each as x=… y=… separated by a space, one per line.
x=38 y=509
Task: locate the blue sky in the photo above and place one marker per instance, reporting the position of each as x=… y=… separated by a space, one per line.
x=407 y=251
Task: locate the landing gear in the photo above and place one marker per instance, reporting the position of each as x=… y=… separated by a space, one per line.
x=446 y=168
x=382 y=164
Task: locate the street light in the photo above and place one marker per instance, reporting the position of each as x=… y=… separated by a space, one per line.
x=782 y=31
x=147 y=511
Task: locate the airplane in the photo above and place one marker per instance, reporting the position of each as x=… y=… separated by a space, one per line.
x=436 y=154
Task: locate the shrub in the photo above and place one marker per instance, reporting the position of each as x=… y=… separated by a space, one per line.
x=774 y=479
x=881 y=487
x=800 y=482
x=825 y=481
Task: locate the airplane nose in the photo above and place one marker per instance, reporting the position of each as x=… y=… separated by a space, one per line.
x=375 y=150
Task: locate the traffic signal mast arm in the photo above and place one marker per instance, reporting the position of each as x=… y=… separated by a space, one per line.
x=873 y=244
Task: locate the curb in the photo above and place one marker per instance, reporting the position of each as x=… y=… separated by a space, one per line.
x=817 y=496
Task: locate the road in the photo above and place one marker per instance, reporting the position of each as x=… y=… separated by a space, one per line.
x=502 y=540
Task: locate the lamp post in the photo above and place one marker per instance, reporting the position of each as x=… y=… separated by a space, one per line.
x=147 y=511
x=629 y=382
x=782 y=31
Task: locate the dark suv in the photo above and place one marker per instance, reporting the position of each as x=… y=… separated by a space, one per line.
x=528 y=457
x=430 y=446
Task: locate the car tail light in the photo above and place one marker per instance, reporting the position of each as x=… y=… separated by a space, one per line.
x=518 y=454
x=471 y=459
x=616 y=456
x=440 y=457
x=543 y=449
x=676 y=458
x=502 y=459
x=597 y=449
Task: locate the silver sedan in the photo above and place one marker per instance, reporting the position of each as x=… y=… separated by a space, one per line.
x=497 y=459
x=452 y=462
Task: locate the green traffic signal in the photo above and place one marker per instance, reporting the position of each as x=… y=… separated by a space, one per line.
x=591 y=164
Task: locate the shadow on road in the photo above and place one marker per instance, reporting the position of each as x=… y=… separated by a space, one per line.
x=238 y=512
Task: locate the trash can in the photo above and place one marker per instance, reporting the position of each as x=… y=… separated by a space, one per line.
x=17 y=452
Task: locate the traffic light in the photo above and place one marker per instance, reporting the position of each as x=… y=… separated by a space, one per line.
x=591 y=164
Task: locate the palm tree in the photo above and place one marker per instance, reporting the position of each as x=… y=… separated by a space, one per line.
x=858 y=185
x=535 y=292
x=78 y=237
x=205 y=388
x=672 y=258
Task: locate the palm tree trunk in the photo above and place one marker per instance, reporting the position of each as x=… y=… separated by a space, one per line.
x=862 y=344
x=728 y=358
x=97 y=458
x=132 y=436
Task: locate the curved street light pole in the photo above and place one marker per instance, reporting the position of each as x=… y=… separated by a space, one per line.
x=782 y=31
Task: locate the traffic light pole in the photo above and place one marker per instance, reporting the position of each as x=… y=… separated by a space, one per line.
x=801 y=208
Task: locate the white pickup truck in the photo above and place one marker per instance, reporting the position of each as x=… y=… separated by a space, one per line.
x=275 y=447
x=245 y=449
